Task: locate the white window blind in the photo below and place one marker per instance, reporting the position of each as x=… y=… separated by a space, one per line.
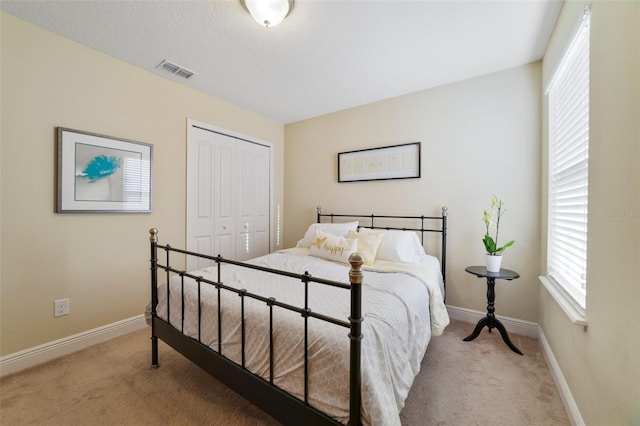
x=568 y=96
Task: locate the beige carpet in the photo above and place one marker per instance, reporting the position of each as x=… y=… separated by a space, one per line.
x=461 y=383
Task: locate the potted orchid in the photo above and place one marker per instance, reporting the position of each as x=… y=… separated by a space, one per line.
x=491 y=220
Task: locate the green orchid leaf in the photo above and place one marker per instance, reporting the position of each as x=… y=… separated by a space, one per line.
x=491 y=219
x=489 y=244
x=509 y=244
x=501 y=249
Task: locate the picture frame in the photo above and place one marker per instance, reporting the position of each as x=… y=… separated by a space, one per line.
x=102 y=174
x=384 y=163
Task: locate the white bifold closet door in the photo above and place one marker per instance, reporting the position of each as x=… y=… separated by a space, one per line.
x=228 y=196
x=252 y=201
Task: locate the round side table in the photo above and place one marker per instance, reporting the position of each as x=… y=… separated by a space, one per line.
x=490 y=320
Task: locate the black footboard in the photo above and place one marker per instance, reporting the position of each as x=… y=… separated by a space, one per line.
x=261 y=391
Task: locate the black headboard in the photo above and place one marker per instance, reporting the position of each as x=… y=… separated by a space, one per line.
x=420 y=224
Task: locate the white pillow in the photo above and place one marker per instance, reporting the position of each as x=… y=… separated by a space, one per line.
x=368 y=244
x=398 y=246
x=339 y=229
x=332 y=247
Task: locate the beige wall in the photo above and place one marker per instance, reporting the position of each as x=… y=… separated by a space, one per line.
x=98 y=261
x=602 y=362
x=479 y=136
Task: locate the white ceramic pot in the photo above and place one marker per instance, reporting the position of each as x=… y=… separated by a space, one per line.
x=493 y=263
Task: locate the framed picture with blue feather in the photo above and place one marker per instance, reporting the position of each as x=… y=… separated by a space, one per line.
x=103 y=174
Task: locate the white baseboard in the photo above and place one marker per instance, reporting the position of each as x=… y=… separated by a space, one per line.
x=569 y=403
x=17 y=361
x=513 y=325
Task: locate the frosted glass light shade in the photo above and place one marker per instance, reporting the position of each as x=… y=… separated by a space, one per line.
x=268 y=13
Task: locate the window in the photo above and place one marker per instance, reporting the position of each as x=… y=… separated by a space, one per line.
x=568 y=100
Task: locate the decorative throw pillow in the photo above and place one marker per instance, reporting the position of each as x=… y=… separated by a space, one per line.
x=339 y=229
x=367 y=244
x=398 y=246
x=332 y=247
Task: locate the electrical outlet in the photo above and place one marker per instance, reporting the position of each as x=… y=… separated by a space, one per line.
x=60 y=307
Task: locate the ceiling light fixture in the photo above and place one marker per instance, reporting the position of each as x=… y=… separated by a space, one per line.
x=268 y=13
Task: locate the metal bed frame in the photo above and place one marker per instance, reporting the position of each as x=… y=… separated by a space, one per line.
x=262 y=392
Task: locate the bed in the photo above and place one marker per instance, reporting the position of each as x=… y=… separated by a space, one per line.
x=332 y=331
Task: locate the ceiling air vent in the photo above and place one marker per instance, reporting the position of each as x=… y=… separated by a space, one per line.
x=176 y=69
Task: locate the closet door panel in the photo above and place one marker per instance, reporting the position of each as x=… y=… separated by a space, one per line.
x=203 y=245
x=224 y=196
x=262 y=211
x=245 y=201
x=200 y=183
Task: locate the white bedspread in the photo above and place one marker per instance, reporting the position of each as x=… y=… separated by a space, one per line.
x=401 y=304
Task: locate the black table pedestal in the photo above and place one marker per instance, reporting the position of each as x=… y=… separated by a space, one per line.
x=490 y=320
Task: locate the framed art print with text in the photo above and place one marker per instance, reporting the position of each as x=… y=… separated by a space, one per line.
x=389 y=162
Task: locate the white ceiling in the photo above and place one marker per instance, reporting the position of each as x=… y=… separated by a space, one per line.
x=327 y=55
